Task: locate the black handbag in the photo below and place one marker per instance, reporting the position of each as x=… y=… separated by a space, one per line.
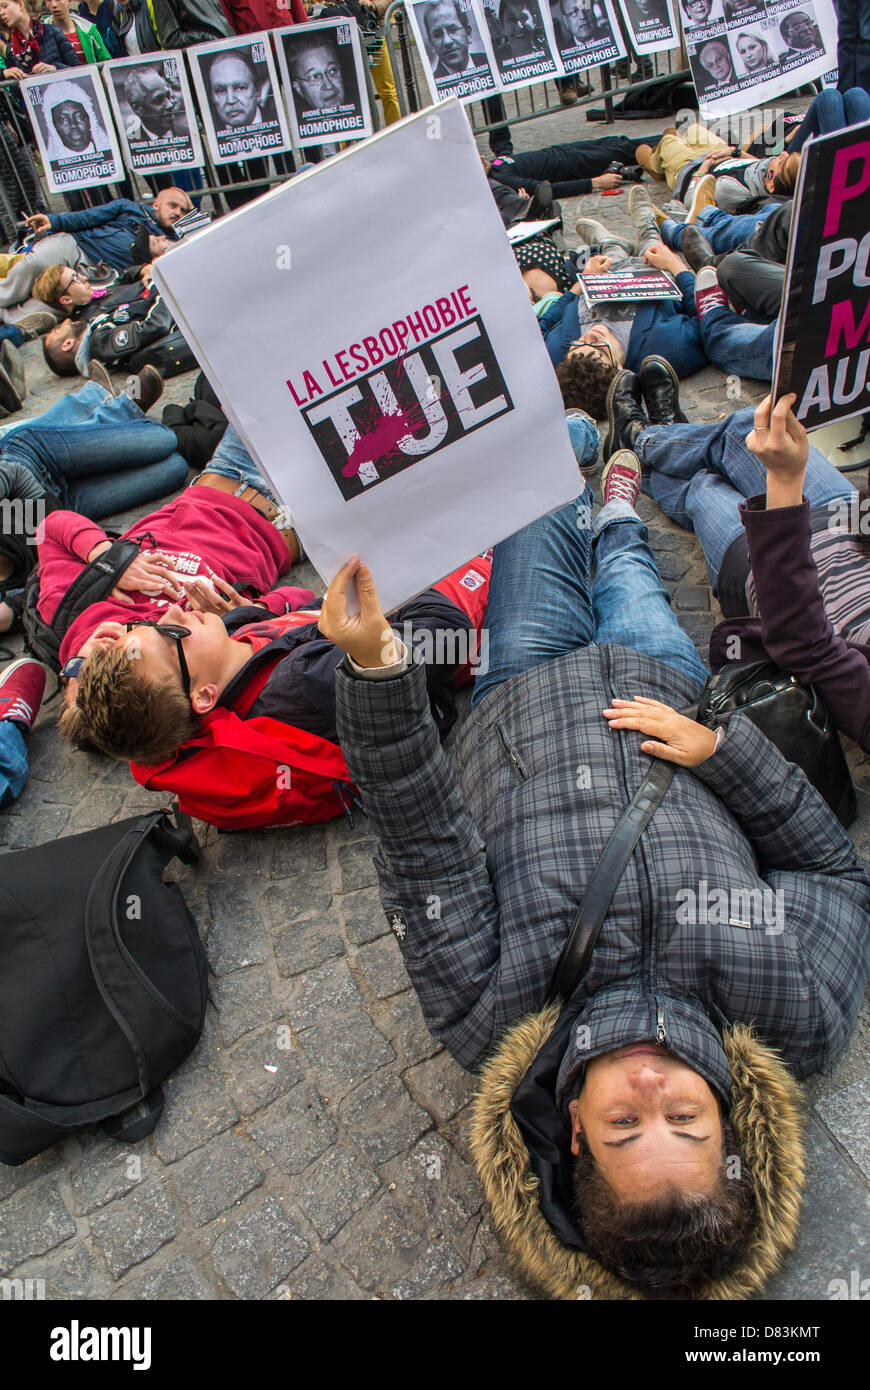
x=793 y=718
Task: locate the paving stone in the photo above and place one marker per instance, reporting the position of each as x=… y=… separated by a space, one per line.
x=357 y=869
x=440 y=1086
x=197 y=1108
x=432 y=1173
x=336 y=1187
x=217 y=1177
x=301 y=853
x=343 y=1052
x=134 y=1227
x=672 y=566
x=833 y=1237
x=38 y=827
x=62 y=1276
x=382 y=965
x=383 y=1245
x=433 y=1276
x=382 y=1117
x=402 y=1022
x=847 y=1116
x=316 y=1280
x=234 y=852
x=321 y=994
x=693 y=598
x=237 y=937
x=179 y=1281
x=307 y=944
x=491 y=1286
x=105 y=1171
x=244 y=1002
x=258 y=1069
x=14 y=1179
x=294 y=1130
x=364 y=917
x=32 y=1221
x=297 y=899
x=258 y=1250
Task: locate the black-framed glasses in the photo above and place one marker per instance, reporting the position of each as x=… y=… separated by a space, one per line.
x=604 y=348
x=175 y=634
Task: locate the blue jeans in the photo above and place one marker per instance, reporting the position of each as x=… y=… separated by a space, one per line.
x=829 y=111
x=725 y=231
x=232 y=460
x=13 y=762
x=544 y=603
x=738 y=347
x=99 y=453
x=699 y=475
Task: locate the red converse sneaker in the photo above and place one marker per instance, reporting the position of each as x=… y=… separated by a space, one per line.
x=22 y=686
x=621 y=477
x=709 y=294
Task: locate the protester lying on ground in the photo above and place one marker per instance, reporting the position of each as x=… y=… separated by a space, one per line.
x=699 y=154
x=830 y=111
x=107 y=233
x=748 y=250
x=730 y=341
x=571 y=169
x=72 y=294
x=34 y=48
x=790 y=567
x=122 y=329
x=604 y=1133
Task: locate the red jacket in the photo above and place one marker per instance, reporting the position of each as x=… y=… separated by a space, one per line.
x=250 y=16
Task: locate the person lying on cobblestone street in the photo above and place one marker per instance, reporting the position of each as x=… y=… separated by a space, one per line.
x=570 y=169
x=642 y=1137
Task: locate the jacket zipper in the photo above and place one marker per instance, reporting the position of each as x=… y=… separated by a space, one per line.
x=661 y=1035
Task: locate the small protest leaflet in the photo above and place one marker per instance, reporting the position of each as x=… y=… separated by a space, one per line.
x=74 y=130
x=522 y=231
x=454 y=47
x=523 y=41
x=323 y=71
x=651 y=25
x=744 y=52
x=154 y=111
x=822 y=351
x=412 y=418
x=587 y=33
x=237 y=87
x=614 y=286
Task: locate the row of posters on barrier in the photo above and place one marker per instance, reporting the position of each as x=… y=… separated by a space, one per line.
x=742 y=53
x=150 y=114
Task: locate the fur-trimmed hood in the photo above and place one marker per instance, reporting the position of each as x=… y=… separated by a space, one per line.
x=766 y=1117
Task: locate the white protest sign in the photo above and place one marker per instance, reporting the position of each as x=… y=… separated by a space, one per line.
x=395 y=388
x=74 y=130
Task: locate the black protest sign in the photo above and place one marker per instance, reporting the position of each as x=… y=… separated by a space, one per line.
x=823 y=346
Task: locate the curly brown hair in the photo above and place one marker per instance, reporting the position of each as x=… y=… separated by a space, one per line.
x=674 y=1246
x=583 y=381
x=120 y=712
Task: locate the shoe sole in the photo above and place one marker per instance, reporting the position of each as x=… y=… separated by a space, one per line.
x=611 y=238
x=98 y=374
x=13 y=367
x=679 y=417
x=608 y=408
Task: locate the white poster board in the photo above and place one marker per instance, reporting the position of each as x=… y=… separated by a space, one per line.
x=154 y=111
x=411 y=414
x=323 y=72
x=241 y=108
x=454 y=48
x=521 y=33
x=587 y=33
x=651 y=24
x=745 y=52
x=73 y=125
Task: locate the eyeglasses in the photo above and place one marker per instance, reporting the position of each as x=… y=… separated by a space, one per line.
x=175 y=634
x=604 y=348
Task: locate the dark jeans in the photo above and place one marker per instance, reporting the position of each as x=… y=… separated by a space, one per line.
x=753 y=277
x=500 y=141
x=565 y=165
x=830 y=111
x=853 y=52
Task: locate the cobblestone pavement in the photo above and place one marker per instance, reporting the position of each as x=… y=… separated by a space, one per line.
x=314 y=1144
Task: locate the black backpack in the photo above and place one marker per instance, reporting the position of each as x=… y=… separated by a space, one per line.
x=103 y=982
x=95 y=582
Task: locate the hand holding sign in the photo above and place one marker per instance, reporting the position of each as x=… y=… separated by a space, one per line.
x=366 y=636
x=780 y=443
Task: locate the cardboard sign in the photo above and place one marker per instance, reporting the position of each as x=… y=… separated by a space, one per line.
x=823 y=333
x=617 y=286
x=73 y=126
x=154 y=111
x=454 y=47
x=651 y=25
x=587 y=33
x=325 y=89
x=408 y=413
x=237 y=87
x=522 y=37
x=745 y=52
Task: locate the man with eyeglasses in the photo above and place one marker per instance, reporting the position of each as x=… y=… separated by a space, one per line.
x=316 y=76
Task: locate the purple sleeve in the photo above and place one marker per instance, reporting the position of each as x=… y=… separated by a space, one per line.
x=796 y=631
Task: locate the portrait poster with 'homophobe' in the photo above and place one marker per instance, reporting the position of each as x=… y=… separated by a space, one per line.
x=74 y=130
x=413 y=418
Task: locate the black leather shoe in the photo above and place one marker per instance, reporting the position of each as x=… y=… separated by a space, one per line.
x=625 y=413
x=660 y=386
x=696 y=248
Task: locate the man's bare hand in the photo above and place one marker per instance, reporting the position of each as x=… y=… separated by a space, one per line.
x=147 y=575
x=596 y=265
x=16 y=74
x=220 y=599
x=607 y=181
x=366 y=636
x=663 y=258
x=674 y=738
x=39 y=222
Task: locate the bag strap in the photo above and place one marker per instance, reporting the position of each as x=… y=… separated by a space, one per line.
x=130 y=1131
x=574 y=957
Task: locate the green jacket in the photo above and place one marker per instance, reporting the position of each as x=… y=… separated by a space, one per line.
x=94 y=49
